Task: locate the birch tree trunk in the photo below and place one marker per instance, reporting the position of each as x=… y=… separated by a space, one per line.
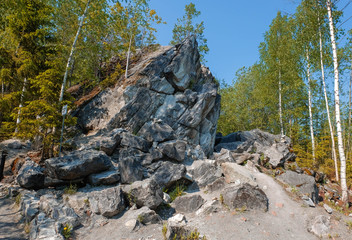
x=337 y=108
x=310 y=107
x=128 y=56
x=2 y=87
x=349 y=117
x=280 y=106
x=18 y=121
x=71 y=53
x=327 y=105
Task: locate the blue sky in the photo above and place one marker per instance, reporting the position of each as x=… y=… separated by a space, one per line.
x=233 y=28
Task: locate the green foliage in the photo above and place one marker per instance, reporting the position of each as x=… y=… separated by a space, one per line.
x=177 y=191
x=70 y=190
x=349 y=224
x=140 y=218
x=164 y=230
x=36 y=38
x=185 y=28
x=194 y=235
x=221 y=199
x=112 y=79
x=18 y=199
x=67 y=231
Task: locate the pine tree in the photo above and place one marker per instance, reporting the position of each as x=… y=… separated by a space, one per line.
x=185 y=27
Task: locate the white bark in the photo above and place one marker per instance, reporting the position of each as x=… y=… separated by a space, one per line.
x=2 y=88
x=18 y=121
x=128 y=56
x=280 y=106
x=71 y=53
x=349 y=117
x=337 y=108
x=327 y=106
x=310 y=108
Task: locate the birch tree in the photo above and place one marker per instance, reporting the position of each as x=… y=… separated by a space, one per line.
x=334 y=156
x=337 y=106
x=310 y=105
x=72 y=51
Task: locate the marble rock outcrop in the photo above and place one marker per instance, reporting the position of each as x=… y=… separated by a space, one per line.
x=167 y=96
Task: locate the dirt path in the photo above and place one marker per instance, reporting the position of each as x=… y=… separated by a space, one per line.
x=10 y=226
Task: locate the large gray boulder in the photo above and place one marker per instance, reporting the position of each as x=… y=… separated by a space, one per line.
x=31 y=176
x=166 y=173
x=131 y=170
x=175 y=149
x=237 y=174
x=320 y=226
x=169 y=85
x=204 y=172
x=144 y=193
x=132 y=141
x=108 y=202
x=103 y=140
x=104 y=178
x=245 y=196
x=77 y=164
x=304 y=183
x=188 y=204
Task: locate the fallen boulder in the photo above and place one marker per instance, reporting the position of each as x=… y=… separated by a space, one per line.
x=302 y=182
x=108 y=201
x=175 y=149
x=144 y=193
x=104 y=178
x=188 y=204
x=168 y=173
x=237 y=174
x=31 y=176
x=245 y=196
x=77 y=164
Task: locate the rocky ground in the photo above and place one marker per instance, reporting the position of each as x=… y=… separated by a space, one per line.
x=140 y=145
x=287 y=217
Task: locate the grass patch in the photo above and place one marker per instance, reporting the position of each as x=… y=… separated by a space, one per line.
x=72 y=189
x=18 y=199
x=27 y=227
x=179 y=190
x=194 y=235
x=67 y=231
x=164 y=230
x=349 y=224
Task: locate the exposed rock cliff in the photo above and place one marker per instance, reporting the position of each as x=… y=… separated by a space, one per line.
x=167 y=89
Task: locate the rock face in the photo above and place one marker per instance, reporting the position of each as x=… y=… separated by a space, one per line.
x=77 y=164
x=169 y=95
x=273 y=148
